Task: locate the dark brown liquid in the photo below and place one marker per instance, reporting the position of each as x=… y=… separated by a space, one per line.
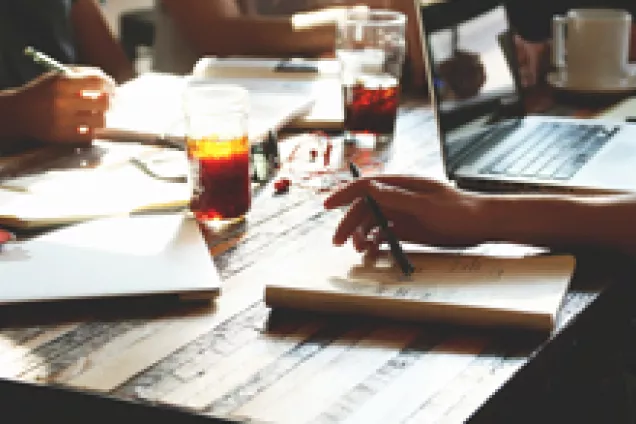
x=371 y=108
x=221 y=182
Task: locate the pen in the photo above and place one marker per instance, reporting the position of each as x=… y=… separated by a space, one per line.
x=46 y=61
x=394 y=245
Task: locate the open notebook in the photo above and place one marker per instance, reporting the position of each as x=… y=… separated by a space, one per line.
x=151 y=105
x=468 y=289
x=114 y=257
x=66 y=191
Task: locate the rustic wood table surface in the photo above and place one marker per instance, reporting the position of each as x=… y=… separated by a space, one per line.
x=238 y=358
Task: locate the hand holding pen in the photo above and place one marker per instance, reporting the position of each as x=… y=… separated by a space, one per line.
x=377 y=217
x=63 y=105
x=420 y=210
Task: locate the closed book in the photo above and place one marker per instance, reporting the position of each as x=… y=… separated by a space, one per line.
x=466 y=289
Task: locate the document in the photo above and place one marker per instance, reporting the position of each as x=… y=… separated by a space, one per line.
x=69 y=193
x=151 y=106
x=468 y=289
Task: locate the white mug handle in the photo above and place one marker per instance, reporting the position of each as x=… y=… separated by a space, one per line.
x=559 y=28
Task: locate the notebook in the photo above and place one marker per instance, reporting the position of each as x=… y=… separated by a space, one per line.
x=318 y=80
x=466 y=289
x=488 y=140
x=151 y=106
x=94 y=182
x=113 y=257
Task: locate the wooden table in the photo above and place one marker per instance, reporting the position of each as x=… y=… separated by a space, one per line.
x=238 y=358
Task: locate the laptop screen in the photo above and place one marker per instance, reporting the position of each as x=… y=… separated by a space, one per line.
x=471 y=70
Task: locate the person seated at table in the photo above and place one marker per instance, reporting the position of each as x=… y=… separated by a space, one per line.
x=47 y=106
x=189 y=29
x=435 y=213
x=533 y=29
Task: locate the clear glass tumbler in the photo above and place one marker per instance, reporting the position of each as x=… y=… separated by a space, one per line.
x=216 y=118
x=370 y=47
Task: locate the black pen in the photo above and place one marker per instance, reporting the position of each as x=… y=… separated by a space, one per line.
x=394 y=245
x=46 y=61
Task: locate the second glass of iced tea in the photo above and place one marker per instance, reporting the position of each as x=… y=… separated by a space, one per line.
x=370 y=46
x=218 y=150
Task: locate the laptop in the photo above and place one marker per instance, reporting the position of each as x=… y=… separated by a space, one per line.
x=488 y=141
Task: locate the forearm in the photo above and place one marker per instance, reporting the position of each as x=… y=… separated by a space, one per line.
x=96 y=44
x=564 y=221
x=218 y=28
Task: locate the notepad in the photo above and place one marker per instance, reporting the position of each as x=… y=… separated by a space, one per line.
x=262 y=76
x=113 y=257
x=67 y=195
x=467 y=289
x=151 y=105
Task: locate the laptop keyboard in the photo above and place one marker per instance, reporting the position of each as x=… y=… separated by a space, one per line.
x=475 y=145
x=553 y=151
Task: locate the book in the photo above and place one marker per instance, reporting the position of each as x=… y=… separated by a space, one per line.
x=267 y=76
x=160 y=254
x=466 y=289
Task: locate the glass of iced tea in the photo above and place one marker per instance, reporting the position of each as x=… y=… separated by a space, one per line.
x=371 y=46
x=218 y=150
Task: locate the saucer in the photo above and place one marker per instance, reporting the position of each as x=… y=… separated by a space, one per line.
x=559 y=81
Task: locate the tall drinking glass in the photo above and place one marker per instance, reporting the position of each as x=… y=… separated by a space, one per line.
x=371 y=46
x=218 y=150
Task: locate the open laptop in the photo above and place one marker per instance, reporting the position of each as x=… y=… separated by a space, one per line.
x=488 y=141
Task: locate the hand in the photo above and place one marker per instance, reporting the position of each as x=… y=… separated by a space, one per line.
x=419 y=210
x=64 y=108
x=533 y=60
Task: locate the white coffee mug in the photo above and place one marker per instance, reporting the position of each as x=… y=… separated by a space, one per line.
x=591 y=46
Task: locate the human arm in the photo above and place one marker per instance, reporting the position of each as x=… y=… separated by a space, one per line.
x=218 y=28
x=55 y=108
x=430 y=212
x=96 y=45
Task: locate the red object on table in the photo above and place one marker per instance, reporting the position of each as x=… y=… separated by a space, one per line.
x=6 y=237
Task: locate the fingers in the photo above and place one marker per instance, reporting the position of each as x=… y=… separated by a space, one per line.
x=359 y=221
x=360 y=236
x=354 y=216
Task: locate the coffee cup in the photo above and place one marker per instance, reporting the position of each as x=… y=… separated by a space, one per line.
x=591 y=46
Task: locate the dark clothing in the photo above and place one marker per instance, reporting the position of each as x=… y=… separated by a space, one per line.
x=43 y=24
x=533 y=19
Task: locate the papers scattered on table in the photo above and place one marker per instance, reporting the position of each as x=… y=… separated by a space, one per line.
x=112 y=185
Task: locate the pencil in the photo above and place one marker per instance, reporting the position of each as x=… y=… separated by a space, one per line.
x=396 y=250
x=46 y=61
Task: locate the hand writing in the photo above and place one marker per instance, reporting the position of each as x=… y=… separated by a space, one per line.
x=64 y=108
x=420 y=210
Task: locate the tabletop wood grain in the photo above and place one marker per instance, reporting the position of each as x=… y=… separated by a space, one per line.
x=238 y=358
